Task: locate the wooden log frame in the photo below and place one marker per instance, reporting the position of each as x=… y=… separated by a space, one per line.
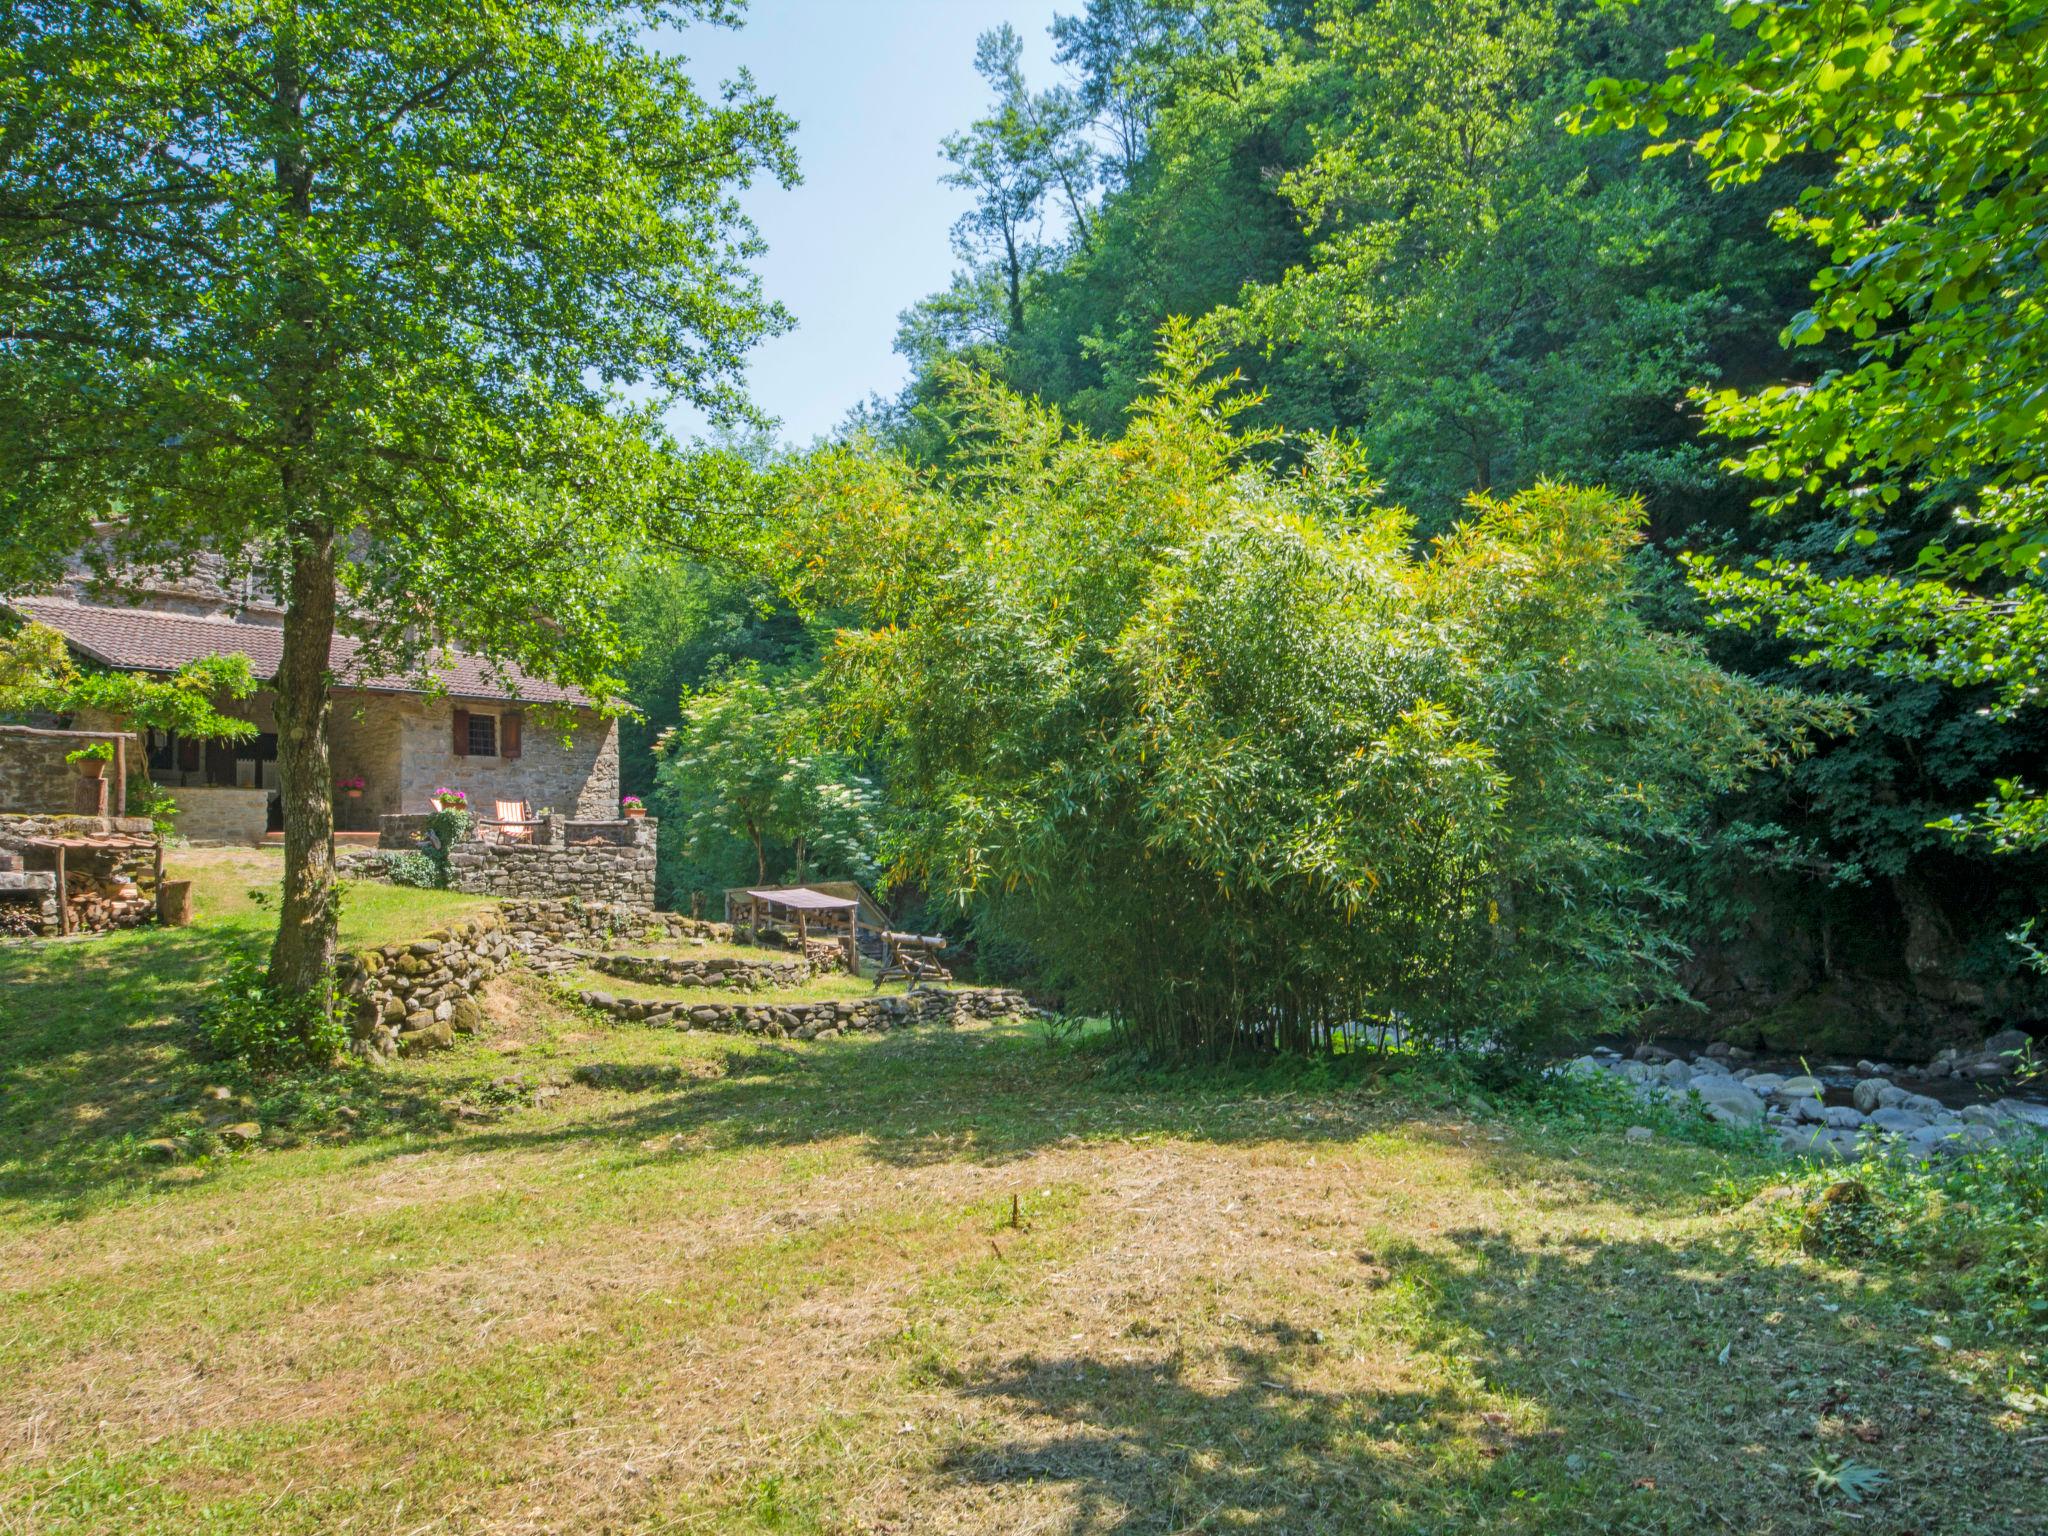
x=912 y=957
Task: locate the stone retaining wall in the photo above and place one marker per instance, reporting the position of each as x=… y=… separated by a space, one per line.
x=811 y=1021
x=594 y=861
x=718 y=970
x=417 y=996
x=581 y=924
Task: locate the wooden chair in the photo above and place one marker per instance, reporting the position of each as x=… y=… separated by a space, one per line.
x=514 y=823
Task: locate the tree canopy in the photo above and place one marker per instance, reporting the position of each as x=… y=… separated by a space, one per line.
x=1246 y=768
x=383 y=298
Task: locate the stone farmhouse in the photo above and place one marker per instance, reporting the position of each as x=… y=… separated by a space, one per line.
x=402 y=739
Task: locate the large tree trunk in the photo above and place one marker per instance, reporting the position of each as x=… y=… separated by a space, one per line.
x=304 y=952
x=303 y=956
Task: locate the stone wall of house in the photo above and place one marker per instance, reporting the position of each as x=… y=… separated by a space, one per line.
x=35 y=779
x=418 y=996
x=238 y=816
x=824 y=1020
x=364 y=735
x=580 y=779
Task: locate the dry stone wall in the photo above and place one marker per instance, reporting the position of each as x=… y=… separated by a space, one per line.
x=586 y=867
x=717 y=970
x=823 y=1020
x=598 y=863
x=585 y=923
x=418 y=996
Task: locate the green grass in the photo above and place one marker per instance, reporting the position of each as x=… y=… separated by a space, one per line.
x=235 y=890
x=819 y=989
x=585 y=1276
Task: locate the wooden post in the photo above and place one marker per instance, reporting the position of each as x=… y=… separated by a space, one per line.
x=156 y=889
x=63 y=894
x=121 y=774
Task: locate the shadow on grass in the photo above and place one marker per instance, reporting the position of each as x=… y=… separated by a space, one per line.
x=1602 y=1385
x=988 y=1096
x=97 y=1055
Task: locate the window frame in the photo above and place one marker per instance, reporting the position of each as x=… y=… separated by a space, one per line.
x=490 y=744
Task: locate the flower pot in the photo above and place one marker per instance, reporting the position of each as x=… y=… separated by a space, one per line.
x=636 y=813
x=355 y=794
x=92 y=767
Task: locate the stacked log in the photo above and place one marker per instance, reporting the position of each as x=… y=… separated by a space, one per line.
x=97 y=905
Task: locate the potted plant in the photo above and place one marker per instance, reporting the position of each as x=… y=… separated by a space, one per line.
x=91 y=760
x=633 y=806
x=451 y=799
x=353 y=788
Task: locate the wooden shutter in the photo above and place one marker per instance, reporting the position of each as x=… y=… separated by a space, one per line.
x=462 y=733
x=508 y=734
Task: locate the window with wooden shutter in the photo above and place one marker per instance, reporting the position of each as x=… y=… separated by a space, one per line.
x=510 y=727
x=483 y=735
x=461 y=741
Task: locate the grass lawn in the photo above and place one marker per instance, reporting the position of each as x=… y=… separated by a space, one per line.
x=830 y=987
x=576 y=1276
x=236 y=888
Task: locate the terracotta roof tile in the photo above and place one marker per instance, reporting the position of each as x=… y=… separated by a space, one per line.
x=145 y=640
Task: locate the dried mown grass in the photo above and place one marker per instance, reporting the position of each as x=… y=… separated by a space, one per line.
x=952 y=1281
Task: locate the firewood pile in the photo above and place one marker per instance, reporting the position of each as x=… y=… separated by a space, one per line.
x=20 y=919
x=100 y=904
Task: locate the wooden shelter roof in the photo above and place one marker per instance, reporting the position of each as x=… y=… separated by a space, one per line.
x=803 y=898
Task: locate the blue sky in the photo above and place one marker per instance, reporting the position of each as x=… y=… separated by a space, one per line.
x=874 y=85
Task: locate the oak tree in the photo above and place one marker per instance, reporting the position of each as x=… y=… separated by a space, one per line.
x=382 y=298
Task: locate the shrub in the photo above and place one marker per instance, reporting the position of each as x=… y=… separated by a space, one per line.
x=148 y=798
x=414 y=868
x=1244 y=765
x=446 y=828
x=246 y=1020
x=1972 y=1229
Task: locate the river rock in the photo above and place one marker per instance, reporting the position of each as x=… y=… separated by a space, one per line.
x=2005 y=1042
x=1868 y=1095
x=1763 y=1082
x=1897 y=1121
x=1798 y=1088
x=1841 y=1117
x=1729 y=1101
